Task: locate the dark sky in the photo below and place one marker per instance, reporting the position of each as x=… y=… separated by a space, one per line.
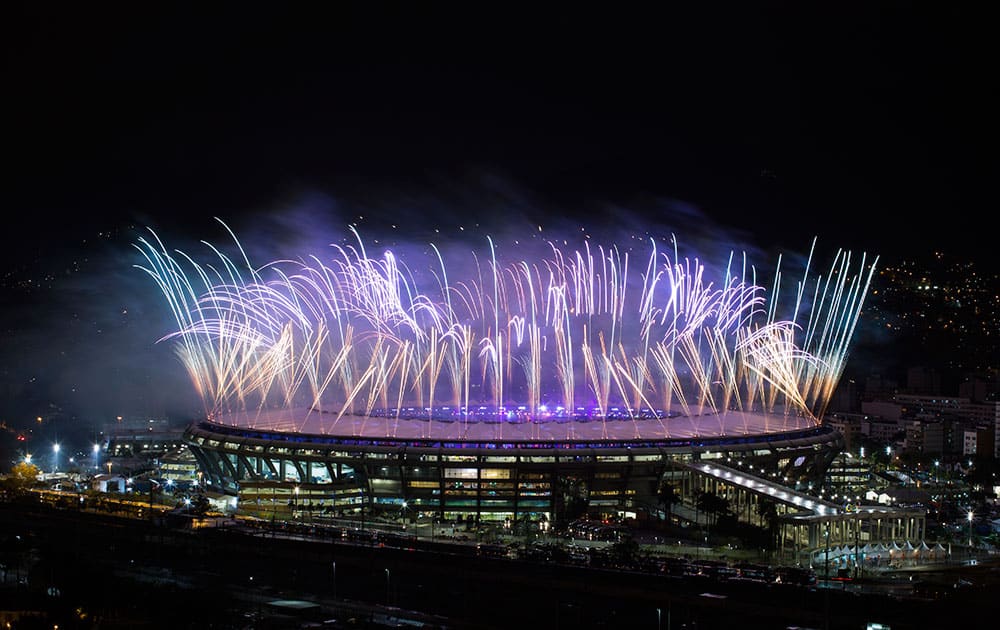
x=870 y=126
x=867 y=124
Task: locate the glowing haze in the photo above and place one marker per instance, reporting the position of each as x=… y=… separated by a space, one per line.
x=591 y=334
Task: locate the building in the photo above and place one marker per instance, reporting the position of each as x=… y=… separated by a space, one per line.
x=179 y=465
x=285 y=468
x=946 y=405
x=884 y=409
x=850 y=426
x=488 y=470
x=108 y=483
x=925 y=437
x=923 y=380
x=996 y=425
x=881 y=429
x=979 y=441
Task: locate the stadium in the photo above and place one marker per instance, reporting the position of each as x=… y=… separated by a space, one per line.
x=557 y=385
x=280 y=466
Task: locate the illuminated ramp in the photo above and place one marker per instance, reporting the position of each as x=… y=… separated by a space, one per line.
x=804 y=523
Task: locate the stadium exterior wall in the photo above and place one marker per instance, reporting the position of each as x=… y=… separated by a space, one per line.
x=278 y=474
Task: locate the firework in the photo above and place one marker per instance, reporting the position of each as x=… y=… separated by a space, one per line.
x=591 y=335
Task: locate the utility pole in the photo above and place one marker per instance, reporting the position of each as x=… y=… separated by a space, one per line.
x=826 y=568
x=857 y=544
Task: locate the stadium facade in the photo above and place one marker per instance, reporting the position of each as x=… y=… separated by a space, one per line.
x=283 y=464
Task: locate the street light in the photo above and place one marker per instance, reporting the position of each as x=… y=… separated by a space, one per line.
x=971 y=516
x=55 y=457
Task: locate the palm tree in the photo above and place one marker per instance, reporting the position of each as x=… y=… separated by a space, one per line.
x=767 y=509
x=712 y=504
x=667 y=496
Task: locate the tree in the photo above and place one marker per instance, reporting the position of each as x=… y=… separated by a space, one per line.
x=668 y=497
x=575 y=508
x=712 y=504
x=625 y=552
x=23 y=475
x=200 y=505
x=768 y=511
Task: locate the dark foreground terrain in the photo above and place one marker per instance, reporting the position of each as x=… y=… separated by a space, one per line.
x=84 y=570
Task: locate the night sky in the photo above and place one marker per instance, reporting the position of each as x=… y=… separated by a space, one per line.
x=869 y=126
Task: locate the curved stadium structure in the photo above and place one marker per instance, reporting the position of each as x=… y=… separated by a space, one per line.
x=540 y=388
x=278 y=464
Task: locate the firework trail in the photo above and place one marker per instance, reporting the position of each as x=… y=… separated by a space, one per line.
x=565 y=338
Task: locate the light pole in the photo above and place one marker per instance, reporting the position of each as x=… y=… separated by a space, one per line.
x=97 y=456
x=334 y=580
x=971 y=516
x=387 y=600
x=55 y=457
x=857 y=545
x=826 y=568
